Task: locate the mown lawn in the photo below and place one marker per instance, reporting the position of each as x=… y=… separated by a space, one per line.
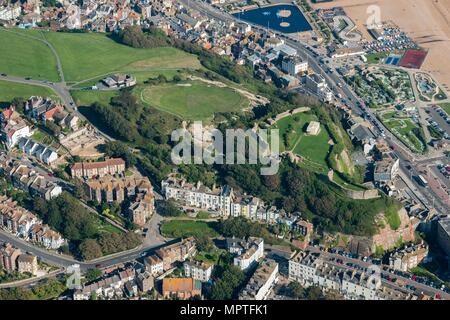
x=313 y=148
x=25 y=57
x=11 y=90
x=187 y=228
x=193 y=100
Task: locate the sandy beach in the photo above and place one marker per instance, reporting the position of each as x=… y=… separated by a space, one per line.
x=426 y=21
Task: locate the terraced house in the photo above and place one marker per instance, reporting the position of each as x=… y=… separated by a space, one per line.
x=98 y=169
x=198 y=195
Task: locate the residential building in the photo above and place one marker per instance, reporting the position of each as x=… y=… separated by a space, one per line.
x=246 y=206
x=386 y=170
x=109 y=188
x=179 y=251
x=142 y=208
x=145 y=281
x=198 y=270
x=261 y=282
x=16 y=219
x=443 y=234
x=119 y=81
x=50 y=239
x=197 y=195
x=294 y=65
x=248 y=252
x=317 y=84
x=27 y=263
x=112 y=286
x=14 y=130
x=181 y=288
x=26 y=178
x=98 y=169
x=408 y=256
x=313 y=269
x=40 y=151
x=154 y=264
x=42 y=108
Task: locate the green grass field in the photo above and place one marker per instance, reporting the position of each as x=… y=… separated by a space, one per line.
x=25 y=57
x=187 y=228
x=193 y=100
x=86 y=98
x=90 y=55
x=11 y=90
x=83 y=55
x=313 y=148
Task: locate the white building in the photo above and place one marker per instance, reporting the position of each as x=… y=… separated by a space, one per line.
x=10 y=13
x=313 y=269
x=154 y=265
x=13 y=131
x=246 y=206
x=198 y=270
x=294 y=65
x=313 y=128
x=261 y=282
x=197 y=195
x=248 y=251
x=37 y=150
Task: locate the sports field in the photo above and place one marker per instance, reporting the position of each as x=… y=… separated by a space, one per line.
x=11 y=90
x=26 y=57
x=193 y=100
x=314 y=149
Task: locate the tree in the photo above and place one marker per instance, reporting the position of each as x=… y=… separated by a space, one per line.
x=295 y=290
x=228 y=283
x=204 y=243
x=93 y=274
x=169 y=208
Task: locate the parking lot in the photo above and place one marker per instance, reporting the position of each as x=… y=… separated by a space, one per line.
x=440 y=120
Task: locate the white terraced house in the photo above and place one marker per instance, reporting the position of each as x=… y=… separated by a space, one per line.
x=198 y=195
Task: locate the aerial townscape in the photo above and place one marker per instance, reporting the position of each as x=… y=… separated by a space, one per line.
x=94 y=93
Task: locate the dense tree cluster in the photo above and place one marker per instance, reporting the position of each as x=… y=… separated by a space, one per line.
x=310 y=194
x=169 y=208
x=135 y=37
x=228 y=281
x=49 y=290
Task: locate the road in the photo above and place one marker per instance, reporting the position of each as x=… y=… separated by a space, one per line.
x=429 y=197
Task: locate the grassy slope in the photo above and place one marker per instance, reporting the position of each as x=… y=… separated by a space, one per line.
x=86 y=56
x=25 y=57
x=10 y=90
x=314 y=148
